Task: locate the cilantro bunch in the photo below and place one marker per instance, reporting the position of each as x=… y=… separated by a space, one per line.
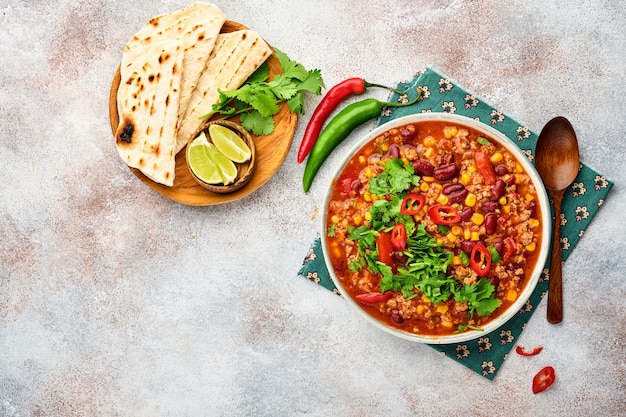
x=427 y=262
x=259 y=98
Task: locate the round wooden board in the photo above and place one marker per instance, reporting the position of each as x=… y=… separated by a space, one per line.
x=271 y=150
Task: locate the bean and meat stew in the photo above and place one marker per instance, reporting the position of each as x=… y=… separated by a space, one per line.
x=433 y=228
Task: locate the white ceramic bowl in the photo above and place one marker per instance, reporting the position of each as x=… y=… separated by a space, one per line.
x=543 y=204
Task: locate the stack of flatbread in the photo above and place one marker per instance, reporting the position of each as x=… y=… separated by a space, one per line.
x=171 y=74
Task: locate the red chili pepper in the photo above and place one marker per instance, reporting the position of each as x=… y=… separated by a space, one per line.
x=444 y=214
x=412 y=204
x=484 y=166
x=510 y=247
x=373 y=298
x=385 y=249
x=521 y=351
x=543 y=379
x=398 y=237
x=331 y=100
x=480 y=259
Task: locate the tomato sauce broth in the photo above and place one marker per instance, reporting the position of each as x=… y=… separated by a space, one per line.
x=471 y=183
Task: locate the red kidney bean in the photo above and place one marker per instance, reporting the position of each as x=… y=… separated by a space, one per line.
x=490 y=206
x=446 y=172
x=458 y=195
x=467 y=246
x=399 y=258
x=495 y=281
x=394 y=150
x=491 y=222
x=498 y=190
x=466 y=214
x=408 y=133
x=451 y=187
x=501 y=169
x=533 y=209
x=447 y=159
x=510 y=180
x=356 y=185
x=396 y=317
x=498 y=246
x=423 y=168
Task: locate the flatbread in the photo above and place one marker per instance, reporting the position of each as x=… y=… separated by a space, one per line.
x=154 y=93
x=235 y=56
x=148 y=102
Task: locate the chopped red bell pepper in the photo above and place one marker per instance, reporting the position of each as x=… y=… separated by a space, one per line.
x=480 y=259
x=544 y=379
x=385 y=249
x=444 y=214
x=398 y=237
x=484 y=166
x=521 y=351
x=412 y=204
x=509 y=247
x=373 y=298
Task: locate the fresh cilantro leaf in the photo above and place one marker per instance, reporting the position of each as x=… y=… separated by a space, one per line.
x=254 y=122
x=397 y=177
x=331 y=230
x=296 y=103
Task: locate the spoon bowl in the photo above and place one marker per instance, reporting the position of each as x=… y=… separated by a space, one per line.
x=557 y=160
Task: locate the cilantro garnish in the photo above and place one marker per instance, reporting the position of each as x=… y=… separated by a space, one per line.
x=259 y=98
x=396 y=178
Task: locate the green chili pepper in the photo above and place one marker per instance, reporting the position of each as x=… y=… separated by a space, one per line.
x=340 y=127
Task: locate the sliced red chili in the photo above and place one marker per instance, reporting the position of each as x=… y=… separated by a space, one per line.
x=509 y=248
x=373 y=298
x=480 y=259
x=412 y=204
x=484 y=166
x=444 y=214
x=385 y=249
x=521 y=351
x=398 y=237
x=544 y=379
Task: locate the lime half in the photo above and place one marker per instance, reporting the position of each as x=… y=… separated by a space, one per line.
x=229 y=143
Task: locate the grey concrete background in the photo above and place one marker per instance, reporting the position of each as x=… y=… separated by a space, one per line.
x=115 y=301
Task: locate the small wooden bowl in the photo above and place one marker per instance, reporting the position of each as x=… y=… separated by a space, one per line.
x=245 y=170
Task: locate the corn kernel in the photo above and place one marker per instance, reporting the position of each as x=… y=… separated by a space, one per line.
x=438 y=186
x=519 y=167
x=496 y=158
x=474 y=236
x=426 y=299
x=374 y=197
x=357 y=219
x=430 y=141
x=362 y=159
x=405 y=161
x=471 y=169
x=385 y=146
x=456 y=230
x=511 y=295
x=344 y=222
x=439 y=241
x=424 y=186
x=506 y=209
x=368 y=172
x=337 y=251
x=429 y=152
x=442 y=199
x=467 y=234
x=450 y=131
x=529 y=197
x=502 y=200
x=447 y=324
x=420 y=309
x=367 y=196
x=334 y=218
x=532 y=223
x=477 y=219
x=531 y=247
x=456 y=261
x=465 y=178
x=470 y=200
x=428 y=179
x=442 y=308
x=451 y=237
x=368 y=216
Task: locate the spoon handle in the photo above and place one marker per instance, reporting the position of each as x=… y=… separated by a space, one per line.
x=555 y=285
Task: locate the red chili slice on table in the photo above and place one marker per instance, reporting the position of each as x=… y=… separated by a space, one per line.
x=521 y=351
x=398 y=237
x=444 y=214
x=544 y=379
x=480 y=259
x=385 y=248
x=373 y=298
x=484 y=166
x=412 y=204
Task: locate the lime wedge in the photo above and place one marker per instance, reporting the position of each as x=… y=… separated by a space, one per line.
x=201 y=163
x=225 y=166
x=229 y=143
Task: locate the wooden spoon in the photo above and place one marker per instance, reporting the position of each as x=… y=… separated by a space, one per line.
x=557 y=160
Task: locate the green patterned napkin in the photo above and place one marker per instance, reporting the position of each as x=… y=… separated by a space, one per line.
x=486 y=354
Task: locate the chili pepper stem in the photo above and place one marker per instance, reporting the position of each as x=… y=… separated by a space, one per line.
x=395 y=90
